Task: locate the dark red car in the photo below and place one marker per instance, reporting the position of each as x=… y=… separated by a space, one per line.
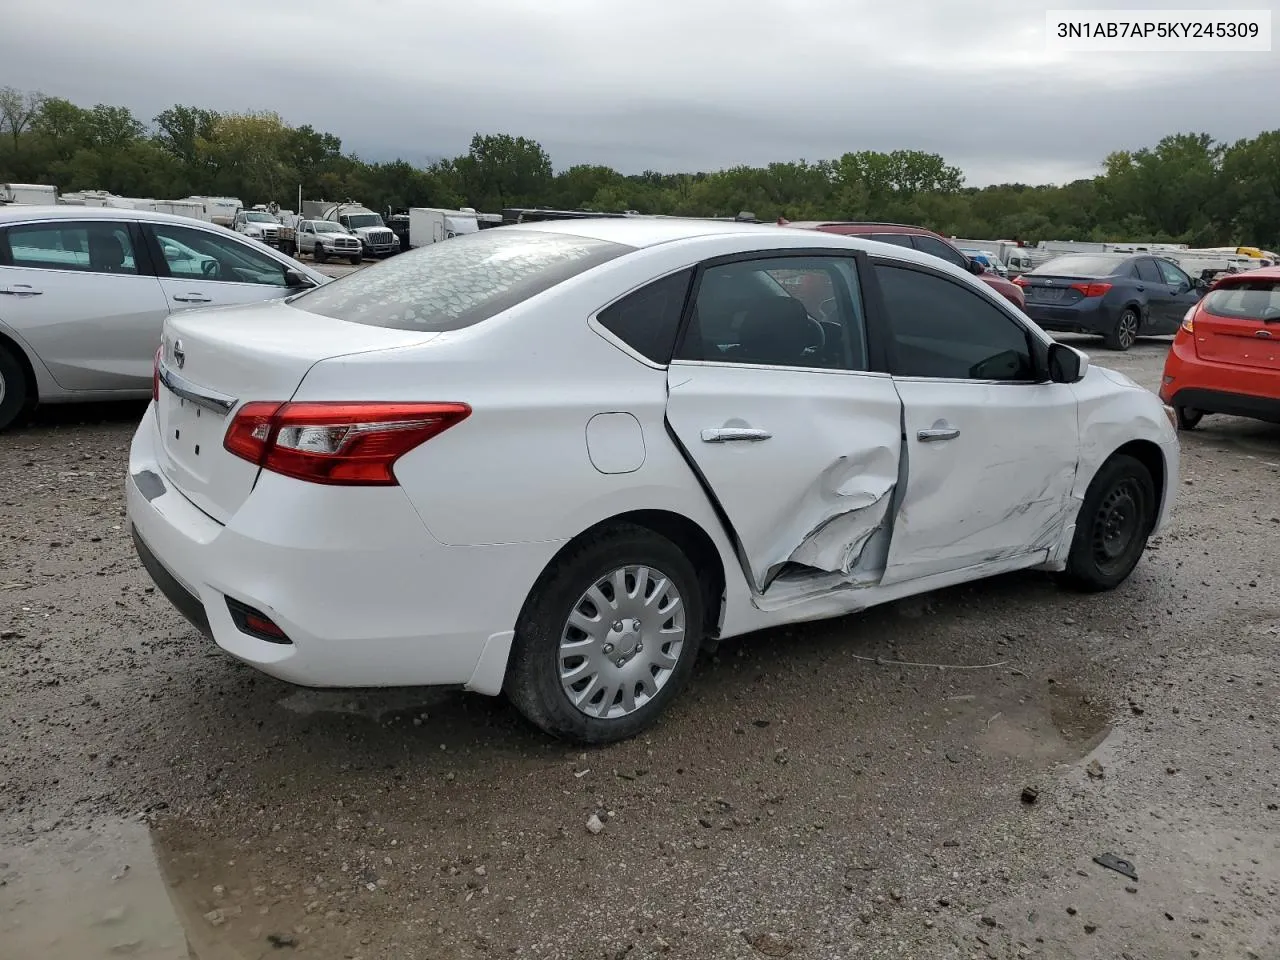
x=918 y=238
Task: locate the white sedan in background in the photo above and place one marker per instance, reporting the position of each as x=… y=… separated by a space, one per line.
x=84 y=292
x=558 y=459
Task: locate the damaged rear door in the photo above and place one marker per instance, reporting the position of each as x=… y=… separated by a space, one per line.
x=990 y=445
x=772 y=398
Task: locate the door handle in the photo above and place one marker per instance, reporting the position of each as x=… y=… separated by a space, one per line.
x=1141 y=288
x=21 y=290
x=192 y=298
x=729 y=434
x=935 y=434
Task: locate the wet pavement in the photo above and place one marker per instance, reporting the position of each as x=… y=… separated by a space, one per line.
x=807 y=796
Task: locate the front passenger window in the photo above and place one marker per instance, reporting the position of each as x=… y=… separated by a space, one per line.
x=941 y=330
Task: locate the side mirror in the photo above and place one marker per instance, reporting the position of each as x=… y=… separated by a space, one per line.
x=292 y=278
x=1200 y=284
x=1067 y=364
x=976 y=268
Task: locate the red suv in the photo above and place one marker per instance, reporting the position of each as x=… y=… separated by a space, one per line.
x=917 y=238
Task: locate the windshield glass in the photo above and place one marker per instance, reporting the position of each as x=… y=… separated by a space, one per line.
x=1245 y=300
x=326 y=226
x=1080 y=265
x=364 y=220
x=448 y=286
x=259 y=218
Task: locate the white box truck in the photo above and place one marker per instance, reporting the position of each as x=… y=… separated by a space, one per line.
x=429 y=225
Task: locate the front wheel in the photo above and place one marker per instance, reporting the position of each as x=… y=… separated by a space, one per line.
x=607 y=637
x=356 y=259
x=1125 y=333
x=1188 y=419
x=1116 y=518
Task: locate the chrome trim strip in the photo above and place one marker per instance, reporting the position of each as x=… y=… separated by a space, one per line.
x=209 y=399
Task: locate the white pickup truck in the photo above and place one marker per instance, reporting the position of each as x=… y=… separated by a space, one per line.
x=322 y=239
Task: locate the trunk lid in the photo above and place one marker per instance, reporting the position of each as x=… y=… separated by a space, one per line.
x=218 y=359
x=1239 y=323
x=1053 y=291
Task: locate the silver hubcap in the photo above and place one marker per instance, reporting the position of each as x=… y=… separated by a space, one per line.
x=621 y=642
x=1128 y=329
x=2 y=388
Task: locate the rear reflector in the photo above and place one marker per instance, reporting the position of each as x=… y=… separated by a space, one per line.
x=353 y=444
x=1021 y=281
x=255 y=623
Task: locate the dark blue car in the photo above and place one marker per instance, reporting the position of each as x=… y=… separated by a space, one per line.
x=1118 y=296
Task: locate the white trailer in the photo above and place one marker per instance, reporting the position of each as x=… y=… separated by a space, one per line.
x=28 y=193
x=181 y=208
x=219 y=210
x=428 y=225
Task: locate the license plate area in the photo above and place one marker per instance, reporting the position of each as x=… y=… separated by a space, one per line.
x=192 y=434
x=1046 y=294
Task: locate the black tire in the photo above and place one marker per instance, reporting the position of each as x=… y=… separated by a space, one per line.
x=288 y=248
x=356 y=259
x=15 y=392
x=1125 y=332
x=533 y=673
x=1188 y=419
x=1115 y=520
x=318 y=254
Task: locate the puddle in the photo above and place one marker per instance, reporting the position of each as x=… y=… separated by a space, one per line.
x=1058 y=727
x=88 y=895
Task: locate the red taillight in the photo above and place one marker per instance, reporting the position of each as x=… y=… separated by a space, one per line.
x=155 y=376
x=353 y=444
x=1020 y=281
x=1092 y=289
x=1189 y=319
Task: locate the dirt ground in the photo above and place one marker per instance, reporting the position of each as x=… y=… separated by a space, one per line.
x=802 y=799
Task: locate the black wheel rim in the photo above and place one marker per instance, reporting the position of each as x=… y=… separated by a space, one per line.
x=1117 y=524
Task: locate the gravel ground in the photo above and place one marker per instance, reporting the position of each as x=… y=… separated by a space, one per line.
x=798 y=801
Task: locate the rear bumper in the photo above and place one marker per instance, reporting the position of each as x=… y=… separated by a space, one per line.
x=1094 y=319
x=1212 y=387
x=365 y=595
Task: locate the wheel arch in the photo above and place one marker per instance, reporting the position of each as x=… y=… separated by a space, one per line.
x=1149 y=454
x=686 y=534
x=15 y=349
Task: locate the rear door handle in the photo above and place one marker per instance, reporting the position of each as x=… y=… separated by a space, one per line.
x=935 y=434
x=729 y=434
x=21 y=290
x=1141 y=288
x=192 y=298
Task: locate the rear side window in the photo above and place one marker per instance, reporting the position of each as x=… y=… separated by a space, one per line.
x=1147 y=271
x=96 y=247
x=648 y=319
x=458 y=282
x=897 y=239
x=1246 y=300
x=934 y=246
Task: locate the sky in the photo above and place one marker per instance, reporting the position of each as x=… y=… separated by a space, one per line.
x=665 y=85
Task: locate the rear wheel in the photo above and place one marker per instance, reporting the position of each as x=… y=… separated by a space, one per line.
x=1116 y=518
x=1125 y=333
x=14 y=389
x=1188 y=419
x=607 y=637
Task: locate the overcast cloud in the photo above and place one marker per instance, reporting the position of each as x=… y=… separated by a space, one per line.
x=663 y=84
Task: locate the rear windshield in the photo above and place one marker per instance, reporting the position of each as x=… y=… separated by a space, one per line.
x=1245 y=300
x=1080 y=265
x=459 y=282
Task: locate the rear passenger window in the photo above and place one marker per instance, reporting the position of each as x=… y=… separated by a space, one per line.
x=88 y=247
x=935 y=247
x=897 y=239
x=648 y=319
x=1147 y=271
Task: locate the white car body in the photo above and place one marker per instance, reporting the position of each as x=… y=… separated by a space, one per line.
x=82 y=330
x=848 y=505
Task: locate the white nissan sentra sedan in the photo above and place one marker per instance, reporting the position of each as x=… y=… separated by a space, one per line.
x=557 y=459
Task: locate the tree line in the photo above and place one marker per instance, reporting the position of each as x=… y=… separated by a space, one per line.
x=1186 y=188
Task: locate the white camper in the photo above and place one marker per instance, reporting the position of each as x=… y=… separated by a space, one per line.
x=428 y=225
x=33 y=193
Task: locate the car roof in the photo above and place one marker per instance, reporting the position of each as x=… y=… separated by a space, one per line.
x=649 y=231
x=65 y=211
